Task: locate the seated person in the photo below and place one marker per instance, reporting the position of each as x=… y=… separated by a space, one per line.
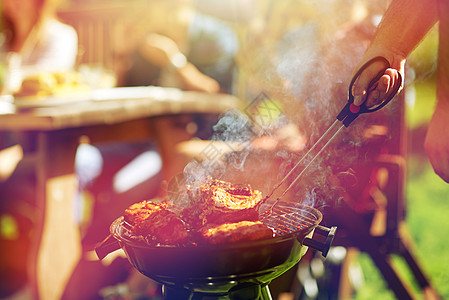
x=187 y=50
x=34 y=40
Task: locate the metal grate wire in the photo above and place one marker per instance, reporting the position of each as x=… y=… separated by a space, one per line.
x=289 y=219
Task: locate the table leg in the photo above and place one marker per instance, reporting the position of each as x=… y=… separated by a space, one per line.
x=58 y=246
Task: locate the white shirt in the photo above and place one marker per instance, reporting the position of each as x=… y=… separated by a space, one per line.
x=56 y=49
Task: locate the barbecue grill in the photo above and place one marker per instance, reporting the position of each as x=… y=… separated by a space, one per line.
x=240 y=270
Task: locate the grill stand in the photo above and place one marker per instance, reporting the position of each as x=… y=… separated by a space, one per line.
x=380 y=250
x=357 y=234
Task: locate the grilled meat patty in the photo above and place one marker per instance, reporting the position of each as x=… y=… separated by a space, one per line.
x=154 y=220
x=235 y=232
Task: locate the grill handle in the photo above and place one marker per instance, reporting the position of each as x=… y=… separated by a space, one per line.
x=108 y=245
x=323 y=247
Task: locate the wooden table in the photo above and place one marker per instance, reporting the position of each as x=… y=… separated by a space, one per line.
x=49 y=131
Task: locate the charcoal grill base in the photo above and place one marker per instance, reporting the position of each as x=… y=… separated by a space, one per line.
x=244 y=291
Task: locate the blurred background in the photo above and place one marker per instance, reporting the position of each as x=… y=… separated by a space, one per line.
x=290 y=50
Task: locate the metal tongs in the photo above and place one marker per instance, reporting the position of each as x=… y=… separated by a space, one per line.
x=346 y=116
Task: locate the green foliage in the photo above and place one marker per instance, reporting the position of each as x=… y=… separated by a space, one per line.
x=375 y=286
x=420 y=111
x=428 y=204
x=423 y=59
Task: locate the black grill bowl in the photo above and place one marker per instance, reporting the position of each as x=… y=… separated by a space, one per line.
x=214 y=268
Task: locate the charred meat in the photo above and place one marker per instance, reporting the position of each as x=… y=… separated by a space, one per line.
x=235 y=232
x=219 y=202
x=218 y=212
x=155 y=222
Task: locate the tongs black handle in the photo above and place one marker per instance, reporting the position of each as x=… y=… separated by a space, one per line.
x=351 y=111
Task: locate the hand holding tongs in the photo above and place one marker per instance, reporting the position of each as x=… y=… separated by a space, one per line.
x=347 y=115
x=351 y=111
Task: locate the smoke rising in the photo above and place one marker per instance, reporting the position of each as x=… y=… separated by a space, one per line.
x=233 y=127
x=307 y=70
x=299 y=55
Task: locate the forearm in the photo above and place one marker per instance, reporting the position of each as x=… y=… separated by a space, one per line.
x=404 y=25
x=159 y=50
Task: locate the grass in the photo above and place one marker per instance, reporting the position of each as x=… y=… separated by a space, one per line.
x=428 y=222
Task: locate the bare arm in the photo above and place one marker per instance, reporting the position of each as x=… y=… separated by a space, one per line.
x=437 y=141
x=163 y=51
x=403 y=26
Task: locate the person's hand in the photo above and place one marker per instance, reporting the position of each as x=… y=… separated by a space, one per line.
x=383 y=88
x=437 y=143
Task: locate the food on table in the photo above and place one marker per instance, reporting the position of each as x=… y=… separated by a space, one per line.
x=47 y=83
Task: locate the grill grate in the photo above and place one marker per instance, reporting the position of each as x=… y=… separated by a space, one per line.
x=287 y=219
